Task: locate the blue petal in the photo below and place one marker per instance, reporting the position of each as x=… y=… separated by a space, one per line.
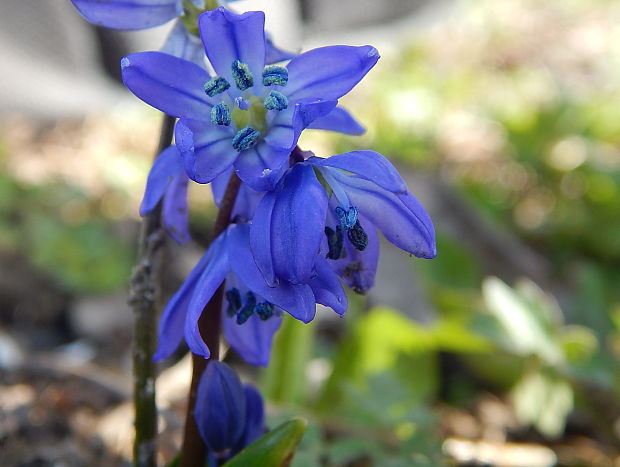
x=260 y=238
x=247 y=198
x=339 y=120
x=297 y=224
x=246 y=203
x=218 y=186
x=287 y=125
x=127 y=14
x=170 y=84
x=213 y=274
x=274 y=54
x=228 y=36
x=206 y=149
x=415 y=207
x=185 y=45
x=328 y=72
x=368 y=165
x=172 y=319
x=252 y=340
x=297 y=300
x=327 y=289
x=261 y=166
x=404 y=223
x=175 y=211
x=220 y=407
x=166 y=166
x=254 y=416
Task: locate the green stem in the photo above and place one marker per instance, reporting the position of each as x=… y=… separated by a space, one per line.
x=194 y=451
x=144 y=289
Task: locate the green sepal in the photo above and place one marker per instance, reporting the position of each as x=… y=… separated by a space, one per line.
x=274 y=449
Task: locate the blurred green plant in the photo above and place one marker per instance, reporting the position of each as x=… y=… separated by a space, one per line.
x=64 y=233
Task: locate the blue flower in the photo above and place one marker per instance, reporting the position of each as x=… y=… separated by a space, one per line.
x=251 y=310
x=167 y=181
x=248 y=116
x=331 y=208
x=143 y=14
x=229 y=415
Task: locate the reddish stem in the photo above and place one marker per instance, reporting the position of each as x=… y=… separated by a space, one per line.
x=194 y=451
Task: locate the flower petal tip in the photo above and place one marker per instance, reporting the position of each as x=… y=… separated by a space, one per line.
x=372 y=52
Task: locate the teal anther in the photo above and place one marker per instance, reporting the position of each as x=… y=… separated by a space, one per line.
x=216 y=86
x=220 y=114
x=275 y=74
x=276 y=101
x=245 y=138
x=242 y=75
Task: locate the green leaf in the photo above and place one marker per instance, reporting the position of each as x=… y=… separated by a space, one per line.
x=273 y=449
x=544 y=400
x=528 y=318
x=284 y=379
x=579 y=343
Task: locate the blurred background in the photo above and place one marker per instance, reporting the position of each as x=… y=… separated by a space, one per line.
x=503 y=116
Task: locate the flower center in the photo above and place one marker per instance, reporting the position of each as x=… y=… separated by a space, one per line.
x=249 y=112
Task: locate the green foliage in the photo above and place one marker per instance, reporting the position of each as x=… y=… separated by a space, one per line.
x=284 y=378
x=50 y=225
x=276 y=448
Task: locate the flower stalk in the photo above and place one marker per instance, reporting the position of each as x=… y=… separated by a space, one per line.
x=144 y=290
x=193 y=451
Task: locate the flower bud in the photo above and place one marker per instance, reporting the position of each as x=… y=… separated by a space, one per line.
x=220 y=408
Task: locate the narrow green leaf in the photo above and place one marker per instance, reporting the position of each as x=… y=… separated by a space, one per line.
x=284 y=379
x=274 y=449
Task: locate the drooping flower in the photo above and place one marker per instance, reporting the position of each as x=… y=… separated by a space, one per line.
x=183 y=39
x=251 y=309
x=331 y=208
x=167 y=181
x=247 y=116
x=229 y=415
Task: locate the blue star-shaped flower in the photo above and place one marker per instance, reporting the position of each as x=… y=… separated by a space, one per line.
x=332 y=208
x=252 y=309
x=248 y=116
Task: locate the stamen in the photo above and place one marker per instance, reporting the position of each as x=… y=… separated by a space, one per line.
x=358 y=237
x=334 y=242
x=245 y=138
x=275 y=74
x=264 y=310
x=276 y=101
x=234 y=301
x=220 y=114
x=248 y=309
x=216 y=86
x=242 y=75
x=346 y=218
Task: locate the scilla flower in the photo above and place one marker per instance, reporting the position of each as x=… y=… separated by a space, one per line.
x=229 y=415
x=182 y=41
x=248 y=116
x=330 y=208
x=251 y=309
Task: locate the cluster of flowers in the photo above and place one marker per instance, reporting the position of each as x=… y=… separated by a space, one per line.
x=301 y=226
